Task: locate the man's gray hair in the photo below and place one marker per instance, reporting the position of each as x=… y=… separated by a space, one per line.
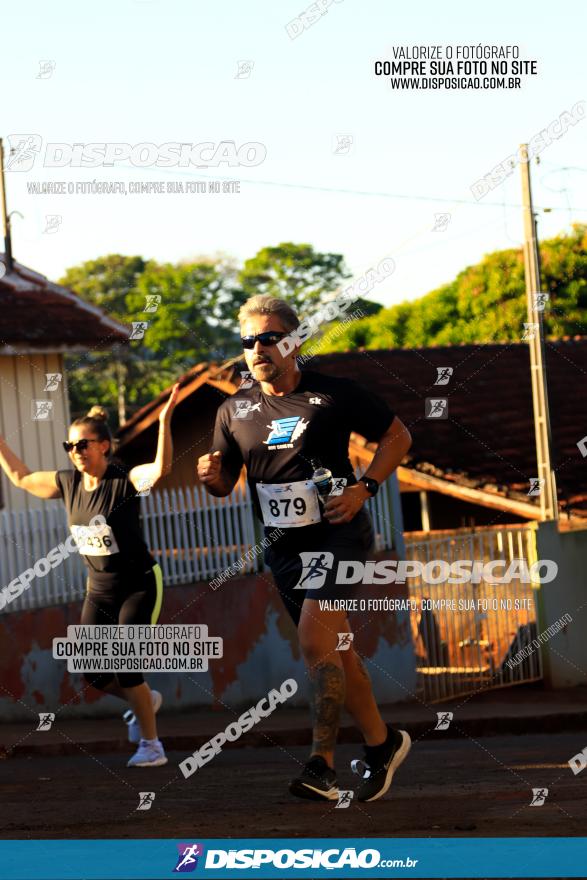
x=265 y=304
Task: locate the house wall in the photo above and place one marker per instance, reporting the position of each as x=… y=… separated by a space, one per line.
x=36 y=442
x=260 y=649
x=192 y=430
x=565 y=654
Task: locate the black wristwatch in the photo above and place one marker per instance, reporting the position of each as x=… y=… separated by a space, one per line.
x=371 y=485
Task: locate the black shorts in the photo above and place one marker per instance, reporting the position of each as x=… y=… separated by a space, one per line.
x=304 y=562
x=135 y=601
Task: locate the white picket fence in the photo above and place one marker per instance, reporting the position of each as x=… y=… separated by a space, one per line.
x=192 y=535
x=27 y=536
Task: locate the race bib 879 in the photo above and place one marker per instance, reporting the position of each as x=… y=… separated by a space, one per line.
x=291 y=505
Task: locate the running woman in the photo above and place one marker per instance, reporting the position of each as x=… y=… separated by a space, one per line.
x=278 y=428
x=124 y=583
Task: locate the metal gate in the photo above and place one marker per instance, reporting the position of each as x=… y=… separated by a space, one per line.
x=479 y=634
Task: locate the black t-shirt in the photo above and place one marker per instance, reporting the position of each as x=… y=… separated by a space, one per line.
x=276 y=437
x=118 y=548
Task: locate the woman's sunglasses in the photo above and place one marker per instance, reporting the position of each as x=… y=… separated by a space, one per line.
x=271 y=337
x=81 y=445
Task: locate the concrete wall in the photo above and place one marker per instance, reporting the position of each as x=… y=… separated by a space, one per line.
x=565 y=654
x=260 y=651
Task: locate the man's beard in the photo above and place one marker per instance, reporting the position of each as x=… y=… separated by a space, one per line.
x=266 y=372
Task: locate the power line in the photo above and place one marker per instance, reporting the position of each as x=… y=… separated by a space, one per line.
x=358 y=192
x=403 y=196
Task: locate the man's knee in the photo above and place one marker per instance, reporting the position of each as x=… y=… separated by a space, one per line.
x=353 y=665
x=318 y=633
x=316 y=647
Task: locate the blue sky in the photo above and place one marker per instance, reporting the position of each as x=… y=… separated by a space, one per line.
x=151 y=71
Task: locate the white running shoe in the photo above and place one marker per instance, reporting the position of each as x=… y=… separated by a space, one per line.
x=148 y=755
x=134 y=730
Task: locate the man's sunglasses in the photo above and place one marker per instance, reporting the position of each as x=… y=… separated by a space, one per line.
x=81 y=445
x=271 y=337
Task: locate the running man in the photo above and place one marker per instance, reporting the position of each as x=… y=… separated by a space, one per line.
x=295 y=417
x=125 y=585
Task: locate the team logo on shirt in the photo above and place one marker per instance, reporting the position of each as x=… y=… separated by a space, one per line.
x=284 y=432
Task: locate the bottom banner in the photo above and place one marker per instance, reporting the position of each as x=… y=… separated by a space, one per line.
x=310 y=857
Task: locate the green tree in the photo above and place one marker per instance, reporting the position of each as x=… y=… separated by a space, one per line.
x=181 y=330
x=106 y=282
x=195 y=318
x=485 y=303
x=293 y=272
x=179 y=304
x=368 y=307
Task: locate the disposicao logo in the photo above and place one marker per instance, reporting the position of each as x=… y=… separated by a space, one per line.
x=188 y=856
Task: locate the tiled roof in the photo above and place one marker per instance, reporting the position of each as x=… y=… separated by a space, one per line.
x=488 y=438
x=37 y=315
x=190 y=382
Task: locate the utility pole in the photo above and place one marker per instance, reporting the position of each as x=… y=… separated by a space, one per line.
x=5 y=215
x=121 y=375
x=542 y=432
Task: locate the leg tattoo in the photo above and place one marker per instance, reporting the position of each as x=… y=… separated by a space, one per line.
x=328 y=700
x=362 y=669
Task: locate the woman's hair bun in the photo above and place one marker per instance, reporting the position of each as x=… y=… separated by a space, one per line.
x=99 y=413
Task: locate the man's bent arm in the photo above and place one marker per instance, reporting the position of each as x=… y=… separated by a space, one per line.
x=390 y=451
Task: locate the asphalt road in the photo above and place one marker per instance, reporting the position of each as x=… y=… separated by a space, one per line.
x=455 y=788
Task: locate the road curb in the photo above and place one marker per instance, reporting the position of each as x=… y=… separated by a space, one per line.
x=555 y=722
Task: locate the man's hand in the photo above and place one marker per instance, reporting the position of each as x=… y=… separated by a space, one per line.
x=210 y=468
x=342 y=508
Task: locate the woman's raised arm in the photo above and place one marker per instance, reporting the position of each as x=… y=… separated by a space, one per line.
x=39 y=483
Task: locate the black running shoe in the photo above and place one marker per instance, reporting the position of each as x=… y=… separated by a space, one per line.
x=316 y=782
x=380 y=764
